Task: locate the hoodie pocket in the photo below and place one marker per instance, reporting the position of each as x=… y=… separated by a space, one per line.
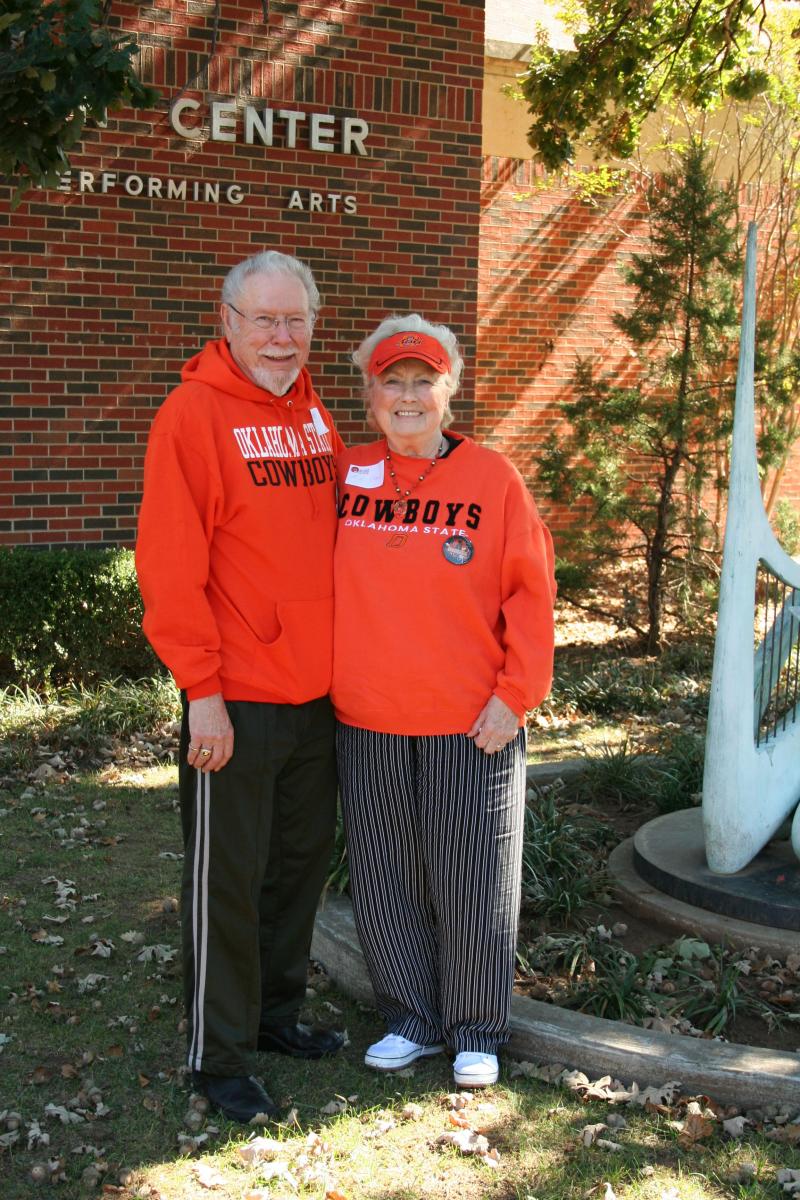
x=297 y=665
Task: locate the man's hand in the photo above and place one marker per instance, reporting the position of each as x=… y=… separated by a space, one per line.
x=210 y=729
x=495 y=726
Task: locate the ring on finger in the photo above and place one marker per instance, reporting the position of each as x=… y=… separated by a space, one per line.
x=205 y=752
x=194 y=748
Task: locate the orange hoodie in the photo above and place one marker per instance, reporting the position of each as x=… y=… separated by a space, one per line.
x=452 y=604
x=236 y=534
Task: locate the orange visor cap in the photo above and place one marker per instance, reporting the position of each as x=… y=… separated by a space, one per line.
x=408 y=344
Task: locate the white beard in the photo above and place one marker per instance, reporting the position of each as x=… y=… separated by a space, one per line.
x=277 y=382
x=274 y=380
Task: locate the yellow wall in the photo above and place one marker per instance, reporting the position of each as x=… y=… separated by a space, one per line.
x=505 y=121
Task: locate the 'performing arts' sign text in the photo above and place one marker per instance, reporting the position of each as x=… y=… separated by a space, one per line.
x=156 y=187
x=322 y=132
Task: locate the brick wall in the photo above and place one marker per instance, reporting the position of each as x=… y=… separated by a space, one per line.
x=549 y=282
x=107 y=293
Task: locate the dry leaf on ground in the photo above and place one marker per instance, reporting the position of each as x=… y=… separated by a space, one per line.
x=694 y=1129
x=470 y=1142
x=548 y=1072
x=785 y=1133
x=735 y=1127
x=64 y=1115
x=190 y=1145
x=208 y=1176
x=465 y=1140
x=590 y=1133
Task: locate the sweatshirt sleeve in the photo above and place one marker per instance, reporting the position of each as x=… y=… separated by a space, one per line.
x=528 y=594
x=176 y=524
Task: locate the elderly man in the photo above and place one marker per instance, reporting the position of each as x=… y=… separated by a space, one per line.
x=234 y=557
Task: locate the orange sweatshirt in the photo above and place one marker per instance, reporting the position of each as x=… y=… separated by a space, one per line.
x=236 y=535
x=439 y=610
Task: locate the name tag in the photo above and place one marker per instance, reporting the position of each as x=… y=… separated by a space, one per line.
x=319 y=424
x=370 y=476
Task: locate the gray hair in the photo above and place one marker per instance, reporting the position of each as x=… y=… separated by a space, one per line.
x=270 y=262
x=403 y=323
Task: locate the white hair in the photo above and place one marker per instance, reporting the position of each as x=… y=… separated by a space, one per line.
x=403 y=323
x=270 y=262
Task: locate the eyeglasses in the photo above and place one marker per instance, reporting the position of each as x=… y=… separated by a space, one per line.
x=294 y=324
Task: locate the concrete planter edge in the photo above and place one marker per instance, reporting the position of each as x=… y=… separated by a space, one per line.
x=543 y=1033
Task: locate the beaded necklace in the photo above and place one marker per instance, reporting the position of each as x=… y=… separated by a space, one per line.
x=401 y=504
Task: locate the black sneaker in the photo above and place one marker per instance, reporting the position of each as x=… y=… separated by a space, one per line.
x=238 y=1097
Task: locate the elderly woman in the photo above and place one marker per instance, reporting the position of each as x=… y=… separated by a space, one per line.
x=443 y=640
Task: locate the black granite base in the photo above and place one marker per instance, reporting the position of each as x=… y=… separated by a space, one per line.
x=669 y=853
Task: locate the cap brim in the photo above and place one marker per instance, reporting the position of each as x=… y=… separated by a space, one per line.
x=380 y=365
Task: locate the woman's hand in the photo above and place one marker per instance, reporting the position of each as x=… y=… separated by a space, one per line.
x=210 y=733
x=495 y=726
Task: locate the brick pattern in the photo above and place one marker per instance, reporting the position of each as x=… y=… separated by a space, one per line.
x=107 y=294
x=549 y=283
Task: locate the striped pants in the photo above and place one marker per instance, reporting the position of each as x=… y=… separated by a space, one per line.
x=434 y=836
x=258 y=837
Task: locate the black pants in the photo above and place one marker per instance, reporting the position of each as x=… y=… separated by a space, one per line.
x=257 y=839
x=434 y=840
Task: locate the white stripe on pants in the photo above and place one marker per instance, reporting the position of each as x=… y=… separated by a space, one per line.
x=434 y=835
x=199 y=919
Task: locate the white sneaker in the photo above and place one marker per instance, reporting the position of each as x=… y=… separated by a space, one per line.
x=393 y=1052
x=475 y=1070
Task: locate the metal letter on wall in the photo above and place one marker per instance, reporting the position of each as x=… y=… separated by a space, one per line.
x=751 y=784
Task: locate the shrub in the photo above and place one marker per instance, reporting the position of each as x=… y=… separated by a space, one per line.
x=679 y=774
x=558 y=880
x=670 y=780
x=81 y=717
x=786 y=523
x=607 y=688
x=571 y=576
x=620 y=774
x=70 y=616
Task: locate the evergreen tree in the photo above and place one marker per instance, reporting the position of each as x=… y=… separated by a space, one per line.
x=638 y=460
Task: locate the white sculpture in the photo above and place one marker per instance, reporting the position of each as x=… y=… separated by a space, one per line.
x=751 y=783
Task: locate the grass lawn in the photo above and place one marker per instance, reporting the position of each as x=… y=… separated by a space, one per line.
x=93 y=1099
x=91 y=1057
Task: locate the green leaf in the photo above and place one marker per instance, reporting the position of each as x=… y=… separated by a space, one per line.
x=629 y=59
x=692 y=948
